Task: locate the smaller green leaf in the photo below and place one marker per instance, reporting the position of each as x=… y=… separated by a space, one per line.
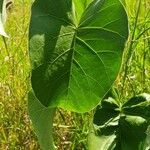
x=121 y=128
x=110 y=103
x=138 y=106
x=42 y=119
x=101 y=143
x=2 y=17
x=80 y=6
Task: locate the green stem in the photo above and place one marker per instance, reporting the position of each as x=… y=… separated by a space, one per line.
x=6 y=47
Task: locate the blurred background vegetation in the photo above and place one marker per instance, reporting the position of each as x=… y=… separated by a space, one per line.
x=70 y=129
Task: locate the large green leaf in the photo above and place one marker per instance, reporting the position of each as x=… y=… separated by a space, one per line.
x=121 y=127
x=2 y=17
x=76 y=50
x=42 y=119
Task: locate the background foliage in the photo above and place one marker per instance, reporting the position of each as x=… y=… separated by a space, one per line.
x=70 y=128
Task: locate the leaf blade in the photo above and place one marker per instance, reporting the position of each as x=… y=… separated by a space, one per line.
x=74 y=64
x=2 y=17
x=42 y=119
x=124 y=123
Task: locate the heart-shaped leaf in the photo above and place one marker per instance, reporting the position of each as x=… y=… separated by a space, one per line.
x=2 y=17
x=76 y=49
x=121 y=127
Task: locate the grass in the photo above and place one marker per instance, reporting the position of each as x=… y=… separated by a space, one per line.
x=15 y=127
x=16 y=132
x=135 y=75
